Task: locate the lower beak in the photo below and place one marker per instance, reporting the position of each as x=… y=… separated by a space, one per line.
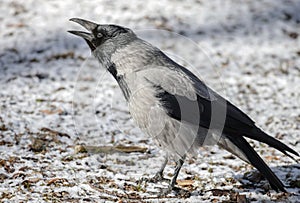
x=84 y=35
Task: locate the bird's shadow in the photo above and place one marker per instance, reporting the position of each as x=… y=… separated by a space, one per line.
x=254 y=180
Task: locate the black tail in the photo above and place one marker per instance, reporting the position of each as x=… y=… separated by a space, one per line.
x=261 y=136
x=257 y=162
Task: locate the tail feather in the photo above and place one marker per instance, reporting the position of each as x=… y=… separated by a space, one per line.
x=257 y=162
x=261 y=136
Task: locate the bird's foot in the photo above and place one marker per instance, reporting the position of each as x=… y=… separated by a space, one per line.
x=178 y=192
x=156 y=178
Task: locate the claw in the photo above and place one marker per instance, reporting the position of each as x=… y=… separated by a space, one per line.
x=178 y=192
x=158 y=177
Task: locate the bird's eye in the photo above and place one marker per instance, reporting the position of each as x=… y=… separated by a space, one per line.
x=99 y=35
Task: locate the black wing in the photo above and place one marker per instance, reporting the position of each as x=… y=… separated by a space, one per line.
x=200 y=112
x=205 y=109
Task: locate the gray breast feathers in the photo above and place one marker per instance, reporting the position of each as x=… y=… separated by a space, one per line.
x=149 y=113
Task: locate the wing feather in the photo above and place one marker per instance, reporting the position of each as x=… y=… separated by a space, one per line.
x=187 y=98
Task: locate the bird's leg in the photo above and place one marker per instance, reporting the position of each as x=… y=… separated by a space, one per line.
x=159 y=175
x=178 y=166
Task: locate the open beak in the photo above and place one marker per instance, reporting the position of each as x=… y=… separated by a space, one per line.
x=87 y=36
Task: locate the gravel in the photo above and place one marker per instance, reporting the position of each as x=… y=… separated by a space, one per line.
x=55 y=100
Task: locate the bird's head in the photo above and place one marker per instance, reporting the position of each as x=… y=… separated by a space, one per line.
x=103 y=38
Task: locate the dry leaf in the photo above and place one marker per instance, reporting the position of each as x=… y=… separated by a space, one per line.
x=56 y=180
x=271 y=158
x=33 y=180
x=28 y=183
x=185 y=183
x=109 y=149
x=52 y=111
x=128 y=149
x=54 y=132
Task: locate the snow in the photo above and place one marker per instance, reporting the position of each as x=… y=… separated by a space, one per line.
x=249 y=51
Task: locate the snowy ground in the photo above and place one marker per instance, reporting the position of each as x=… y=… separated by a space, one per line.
x=54 y=97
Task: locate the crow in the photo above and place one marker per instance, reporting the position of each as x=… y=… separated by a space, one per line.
x=173 y=106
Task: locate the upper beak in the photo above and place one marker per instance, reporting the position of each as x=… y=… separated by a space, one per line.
x=90 y=26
